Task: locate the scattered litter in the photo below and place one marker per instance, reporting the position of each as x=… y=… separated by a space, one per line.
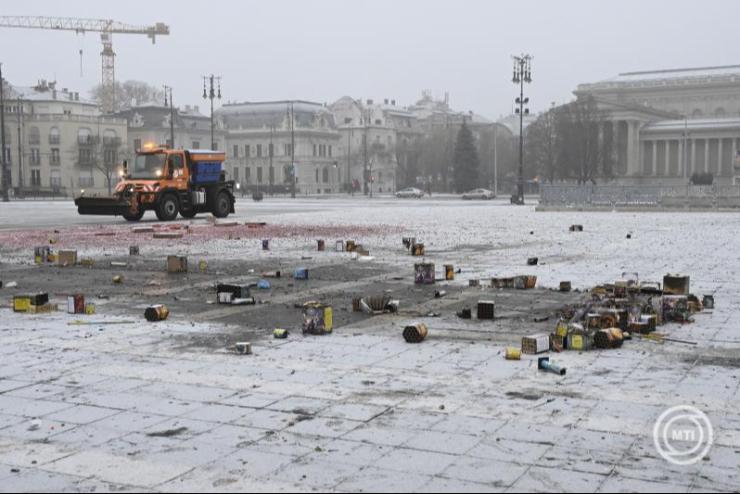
x=465 y=313
x=541 y=318
x=566 y=286
x=156 y=313
x=167 y=235
x=177 y=264
x=67 y=258
x=318 y=319
x=265 y=244
x=424 y=273
x=449 y=272
x=473 y=283
x=486 y=309
x=321 y=245
x=440 y=293
x=118 y=264
x=534 y=344
x=300 y=273
x=143 y=229
x=133 y=250
x=12 y=284
x=243 y=348
x=98 y=323
x=34 y=425
x=263 y=285
x=117 y=279
x=280 y=334
x=415 y=333
x=708 y=302
x=513 y=353
x=576 y=228
x=544 y=364
x=168 y=432
x=202 y=266
x=533 y=261
x=76 y=304
x=418 y=250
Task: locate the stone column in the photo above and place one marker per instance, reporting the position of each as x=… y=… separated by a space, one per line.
x=692 y=167
x=667 y=158
x=720 y=166
x=632 y=164
x=654 y=169
x=615 y=145
x=706 y=155
x=681 y=164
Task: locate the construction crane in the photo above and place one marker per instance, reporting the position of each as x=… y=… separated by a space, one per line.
x=105 y=27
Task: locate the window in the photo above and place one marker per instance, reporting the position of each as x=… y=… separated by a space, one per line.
x=84 y=137
x=236 y=173
x=196 y=144
x=330 y=151
x=86 y=181
x=54 y=158
x=247 y=151
x=259 y=172
x=137 y=144
x=54 y=137
x=326 y=175
x=314 y=150
x=317 y=175
x=287 y=149
x=35 y=156
x=248 y=175
x=55 y=180
x=8 y=155
x=110 y=156
x=35 y=178
x=85 y=156
x=259 y=150
x=110 y=138
x=236 y=151
x=272 y=175
x=34 y=136
x=270 y=150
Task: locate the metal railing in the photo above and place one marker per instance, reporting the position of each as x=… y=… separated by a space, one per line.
x=637 y=195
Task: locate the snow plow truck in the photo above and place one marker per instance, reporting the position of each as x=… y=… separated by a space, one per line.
x=168 y=182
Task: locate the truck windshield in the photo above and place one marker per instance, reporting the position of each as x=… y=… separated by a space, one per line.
x=149 y=166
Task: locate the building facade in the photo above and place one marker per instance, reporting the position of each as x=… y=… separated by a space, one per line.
x=270 y=143
x=57 y=144
x=670 y=124
x=150 y=125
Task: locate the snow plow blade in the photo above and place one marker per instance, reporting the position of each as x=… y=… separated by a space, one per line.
x=101 y=206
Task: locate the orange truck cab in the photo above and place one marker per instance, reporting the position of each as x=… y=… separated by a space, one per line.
x=168 y=182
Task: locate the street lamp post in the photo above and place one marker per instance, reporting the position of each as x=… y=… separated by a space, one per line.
x=168 y=92
x=292 y=151
x=212 y=93
x=4 y=178
x=522 y=75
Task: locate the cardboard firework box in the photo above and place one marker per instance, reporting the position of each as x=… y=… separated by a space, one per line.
x=424 y=273
x=177 y=264
x=318 y=319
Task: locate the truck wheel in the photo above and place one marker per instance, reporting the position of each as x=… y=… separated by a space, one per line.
x=134 y=217
x=222 y=205
x=167 y=208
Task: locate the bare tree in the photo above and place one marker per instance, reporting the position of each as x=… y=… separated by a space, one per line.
x=130 y=93
x=541 y=146
x=584 y=151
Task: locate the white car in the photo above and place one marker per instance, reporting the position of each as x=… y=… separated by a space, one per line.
x=479 y=194
x=412 y=192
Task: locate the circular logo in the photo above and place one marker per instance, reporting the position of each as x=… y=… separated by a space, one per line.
x=683 y=435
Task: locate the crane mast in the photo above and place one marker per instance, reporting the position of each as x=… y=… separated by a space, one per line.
x=106 y=28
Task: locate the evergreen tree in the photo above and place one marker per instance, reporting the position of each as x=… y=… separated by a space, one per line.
x=465 y=160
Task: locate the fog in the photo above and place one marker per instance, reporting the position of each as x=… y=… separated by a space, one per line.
x=322 y=50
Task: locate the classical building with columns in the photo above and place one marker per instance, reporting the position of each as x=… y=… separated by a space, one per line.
x=670 y=124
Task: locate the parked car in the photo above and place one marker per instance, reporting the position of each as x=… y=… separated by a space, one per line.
x=411 y=192
x=479 y=194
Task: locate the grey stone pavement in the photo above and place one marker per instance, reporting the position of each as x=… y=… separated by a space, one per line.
x=110 y=408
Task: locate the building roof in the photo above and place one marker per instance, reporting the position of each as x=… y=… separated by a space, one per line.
x=265 y=114
x=46 y=91
x=667 y=78
x=693 y=125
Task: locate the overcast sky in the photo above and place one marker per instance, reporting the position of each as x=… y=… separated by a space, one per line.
x=320 y=50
